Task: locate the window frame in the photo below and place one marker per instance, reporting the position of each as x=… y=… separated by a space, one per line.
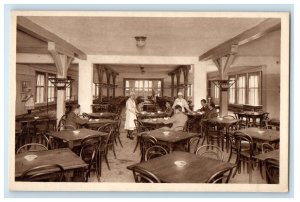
x=44 y=87
x=54 y=88
x=149 y=92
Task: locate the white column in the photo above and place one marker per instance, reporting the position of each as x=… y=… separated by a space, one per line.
x=60 y=101
x=85 y=86
x=199 y=84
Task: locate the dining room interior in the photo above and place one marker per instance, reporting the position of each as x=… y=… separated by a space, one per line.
x=147 y=99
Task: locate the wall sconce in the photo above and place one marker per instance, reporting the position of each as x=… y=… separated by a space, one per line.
x=61 y=83
x=140 y=41
x=223 y=85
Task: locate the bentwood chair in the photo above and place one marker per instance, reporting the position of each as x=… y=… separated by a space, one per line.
x=31 y=147
x=154 y=152
x=89 y=150
x=272 y=170
x=210 y=151
x=139 y=129
x=117 y=130
x=243 y=144
x=107 y=143
x=146 y=142
x=222 y=176
x=142 y=175
x=44 y=173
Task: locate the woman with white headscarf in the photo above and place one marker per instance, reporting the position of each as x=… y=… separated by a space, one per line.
x=181 y=102
x=131 y=112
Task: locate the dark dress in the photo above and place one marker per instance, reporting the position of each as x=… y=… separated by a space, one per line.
x=74 y=120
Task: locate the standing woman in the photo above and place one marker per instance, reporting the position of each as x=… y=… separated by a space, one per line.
x=29 y=101
x=131 y=112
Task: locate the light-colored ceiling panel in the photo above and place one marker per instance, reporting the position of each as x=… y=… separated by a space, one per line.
x=165 y=36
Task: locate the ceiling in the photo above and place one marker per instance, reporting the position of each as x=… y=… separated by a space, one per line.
x=165 y=36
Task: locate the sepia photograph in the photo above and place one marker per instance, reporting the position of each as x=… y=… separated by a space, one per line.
x=190 y=101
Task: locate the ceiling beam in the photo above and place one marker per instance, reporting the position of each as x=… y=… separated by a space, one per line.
x=256 y=32
x=32 y=29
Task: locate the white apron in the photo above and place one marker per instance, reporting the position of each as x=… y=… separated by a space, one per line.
x=130 y=114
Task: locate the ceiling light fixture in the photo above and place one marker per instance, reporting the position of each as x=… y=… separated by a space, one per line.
x=140 y=41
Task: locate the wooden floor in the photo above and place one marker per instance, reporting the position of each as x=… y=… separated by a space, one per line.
x=126 y=157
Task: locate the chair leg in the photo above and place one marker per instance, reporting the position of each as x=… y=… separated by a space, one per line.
x=114 y=151
x=120 y=141
x=105 y=157
x=137 y=143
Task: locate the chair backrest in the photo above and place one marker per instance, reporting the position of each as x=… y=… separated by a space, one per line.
x=154 y=152
x=31 y=147
x=210 y=151
x=193 y=144
x=51 y=172
x=109 y=139
x=222 y=176
x=140 y=126
x=89 y=148
x=266 y=147
x=142 y=175
x=272 y=170
x=240 y=140
x=146 y=141
x=62 y=122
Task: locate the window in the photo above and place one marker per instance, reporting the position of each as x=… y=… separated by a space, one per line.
x=40 y=87
x=51 y=89
x=241 y=89
x=143 y=87
x=253 y=84
x=68 y=92
x=232 y=90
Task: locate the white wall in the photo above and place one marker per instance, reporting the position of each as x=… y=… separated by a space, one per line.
x=26 y=72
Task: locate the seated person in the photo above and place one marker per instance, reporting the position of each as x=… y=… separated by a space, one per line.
x=178 y=120
x=169 y=109
x=140 y=106
x=204 y=107
x=73 y=118
x=211 y=112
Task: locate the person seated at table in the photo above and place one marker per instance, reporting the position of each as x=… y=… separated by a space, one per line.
x=73 y=118
x=204 y=107
x=140 y=106
x=169 y=109
x=211 y=112
x=178 y=120
x=182 y=102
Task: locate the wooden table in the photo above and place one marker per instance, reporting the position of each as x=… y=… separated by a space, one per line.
x=102 y=115
x=153 y=123
x=145 y=115
x=173 y=138
x=224 y=123
x=64 y=157
x=262 y=135
x=197 y=170
x=272 y=154
x=72 y=139
x=251 y=115
x=96 y=123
